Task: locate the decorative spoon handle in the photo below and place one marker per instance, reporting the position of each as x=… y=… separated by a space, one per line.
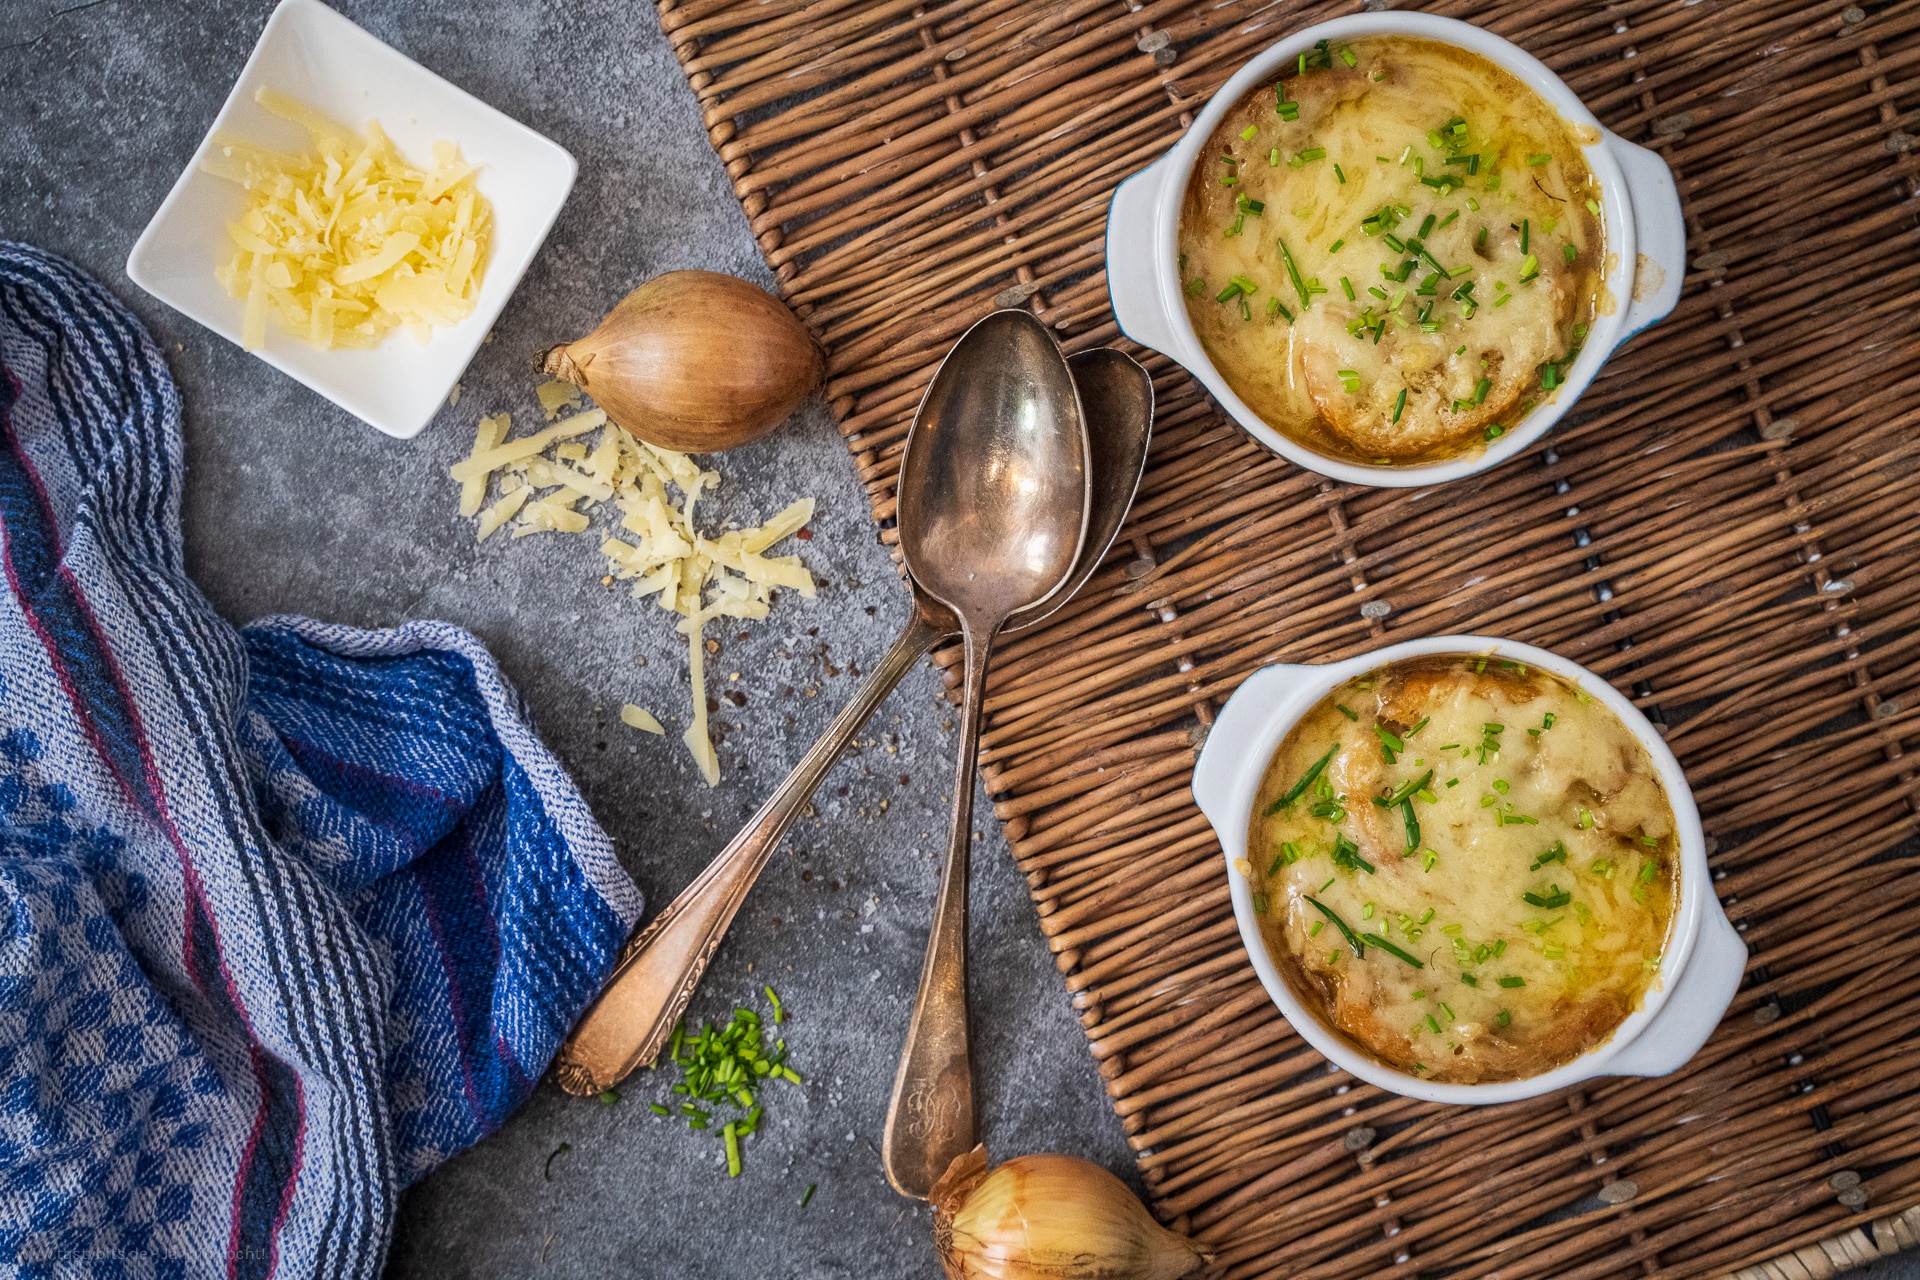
x=930 y=1120
x=660 y=966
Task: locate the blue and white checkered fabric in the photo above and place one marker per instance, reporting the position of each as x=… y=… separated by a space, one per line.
x=288 y=914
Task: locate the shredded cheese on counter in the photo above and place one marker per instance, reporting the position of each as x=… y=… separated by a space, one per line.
x=549 y=481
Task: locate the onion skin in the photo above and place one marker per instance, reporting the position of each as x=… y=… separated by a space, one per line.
x=694 y=361
x=1051 y=1217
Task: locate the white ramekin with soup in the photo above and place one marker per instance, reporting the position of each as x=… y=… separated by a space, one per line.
x=1395 y=248
x=1468 y=870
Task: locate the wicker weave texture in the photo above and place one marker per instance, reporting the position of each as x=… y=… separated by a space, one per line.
x=1727 y=527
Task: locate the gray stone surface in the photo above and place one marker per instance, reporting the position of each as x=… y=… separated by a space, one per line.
x=293 y=506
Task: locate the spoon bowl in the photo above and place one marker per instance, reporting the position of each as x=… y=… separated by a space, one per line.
x=1116 y=399
x=993 y=492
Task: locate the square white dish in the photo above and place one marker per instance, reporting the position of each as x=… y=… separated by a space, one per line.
x=313 y=54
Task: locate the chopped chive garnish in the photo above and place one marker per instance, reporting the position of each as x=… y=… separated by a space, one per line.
x=1469 y=979
x=1513 y=980
x=1529 y=268
x=1301 y=159
x=1342 y=707
x=1399 y=404
x=1247 y=133
x=1432 y=1025
x=1196 y=287
x=1406 y=789
x=1392 y=950
x=1570 y=253
x=1502 y=1018
x=1335 y=246
x=1353 y=939
x=1480 y=390
x=1346 y=287
x=1293 y=274
x=1346 y=56
x=1552 y=900
x=1313 y=930
x=1227 y=294
x=811 y=1187
x=1345 y=853
x=1526 y=232
x=1341 y=174
x=1538 y=159
x=1306 y=780
x=1412 y=824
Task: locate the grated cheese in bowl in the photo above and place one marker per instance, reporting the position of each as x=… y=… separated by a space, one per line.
x=348 y=241
x=549 y=481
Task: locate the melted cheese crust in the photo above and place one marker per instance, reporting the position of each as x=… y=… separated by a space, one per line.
x=1386 y=359
x=1536 y=896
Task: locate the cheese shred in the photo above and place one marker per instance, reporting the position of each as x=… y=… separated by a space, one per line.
x=550 y=482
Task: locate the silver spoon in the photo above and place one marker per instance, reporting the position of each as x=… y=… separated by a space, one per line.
x=993 y=503
x=660 y=967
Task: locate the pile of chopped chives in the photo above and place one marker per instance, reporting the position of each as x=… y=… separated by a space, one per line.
x=725 y=1066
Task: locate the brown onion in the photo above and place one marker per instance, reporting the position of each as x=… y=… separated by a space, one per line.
x=694 y=361
x=1049 y=1217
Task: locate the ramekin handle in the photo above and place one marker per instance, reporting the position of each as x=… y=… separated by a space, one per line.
x=1701 y=996
x=1222 y=767
x=1661 y=230
x=1133 y=269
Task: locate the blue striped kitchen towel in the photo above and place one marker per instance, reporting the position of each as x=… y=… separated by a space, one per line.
x=287 y=914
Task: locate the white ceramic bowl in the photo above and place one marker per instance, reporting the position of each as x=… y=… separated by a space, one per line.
x=311 y=53
x=1700 y=969
x=1639 y=205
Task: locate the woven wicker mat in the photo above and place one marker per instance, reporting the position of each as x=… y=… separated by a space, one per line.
x=1728 y=527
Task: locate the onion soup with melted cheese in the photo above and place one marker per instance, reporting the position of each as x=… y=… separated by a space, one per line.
x=1465 y=866
x=1395 y=253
